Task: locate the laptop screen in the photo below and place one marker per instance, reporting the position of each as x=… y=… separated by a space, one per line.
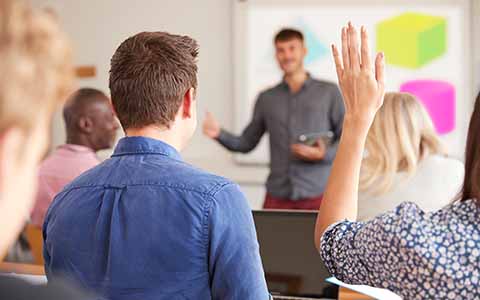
x=292 y=265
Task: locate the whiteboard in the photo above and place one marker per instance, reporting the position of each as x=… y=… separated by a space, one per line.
x=255 y=23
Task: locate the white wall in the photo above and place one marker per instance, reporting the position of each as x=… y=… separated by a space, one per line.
x=97 y=28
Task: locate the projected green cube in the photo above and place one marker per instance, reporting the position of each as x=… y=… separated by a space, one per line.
x=412 y=40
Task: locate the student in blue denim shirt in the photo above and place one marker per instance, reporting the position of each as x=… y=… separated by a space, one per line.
x=144 y=224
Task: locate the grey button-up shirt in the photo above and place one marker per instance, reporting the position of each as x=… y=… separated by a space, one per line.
x=317 y=107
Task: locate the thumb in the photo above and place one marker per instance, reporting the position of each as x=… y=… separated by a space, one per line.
x=209 y=115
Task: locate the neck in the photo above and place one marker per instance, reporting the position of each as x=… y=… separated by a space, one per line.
x=296 y=79
x=166 y=135
x=80 y=139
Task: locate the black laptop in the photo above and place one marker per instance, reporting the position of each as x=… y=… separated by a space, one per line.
x=293 y=267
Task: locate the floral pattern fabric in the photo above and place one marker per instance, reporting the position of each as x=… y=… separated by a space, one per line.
x=412 y=253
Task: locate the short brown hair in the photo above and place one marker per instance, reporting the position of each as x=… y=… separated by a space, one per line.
x=149 y=75
x=36 y=65
x=288 y=34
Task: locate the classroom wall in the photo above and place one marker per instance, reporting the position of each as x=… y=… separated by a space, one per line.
x=97 y=28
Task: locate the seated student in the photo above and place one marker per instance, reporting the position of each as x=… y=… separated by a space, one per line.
x=35 y=61
x=414 y=254
x=91 y=126
x=144 y=224
x=405 y=160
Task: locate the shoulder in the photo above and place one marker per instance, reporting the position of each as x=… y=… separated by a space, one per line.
x=458 y=210
x=271 y=92
x=50 y=163
x=386 y=226
x=452 y=170
x=442 y=161
x=162 y=174
x=203 y=181
x=325 y=84
x=327 y=89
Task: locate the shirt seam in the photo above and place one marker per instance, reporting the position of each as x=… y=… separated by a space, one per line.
x=142 y=152
x=209 y=192
x=206 y=219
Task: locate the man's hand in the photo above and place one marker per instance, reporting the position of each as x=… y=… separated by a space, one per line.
x=310 y=153
x=211 y=128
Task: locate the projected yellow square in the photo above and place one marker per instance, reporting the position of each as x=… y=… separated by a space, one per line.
x=412 y=40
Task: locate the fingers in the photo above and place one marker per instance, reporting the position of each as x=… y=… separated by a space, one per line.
x=210 y=119
x=299 y=151
x=320 y=144
x=365 y=49
x=345 y=54
x=298 y=148
x=380 y=70
x=338 y=62
x=353 y=48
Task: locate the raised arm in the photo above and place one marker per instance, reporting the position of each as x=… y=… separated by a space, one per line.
x=362 y=86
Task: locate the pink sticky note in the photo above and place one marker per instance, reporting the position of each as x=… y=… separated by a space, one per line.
x=438 y=98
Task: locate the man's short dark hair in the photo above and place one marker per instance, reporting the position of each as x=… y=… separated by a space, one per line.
x=78 y=103
x=288 y=34
x=149 y=75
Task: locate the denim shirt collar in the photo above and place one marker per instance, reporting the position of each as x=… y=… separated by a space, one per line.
x=138 y=145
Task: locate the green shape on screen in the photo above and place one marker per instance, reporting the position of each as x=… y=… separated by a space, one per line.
x=412 y=40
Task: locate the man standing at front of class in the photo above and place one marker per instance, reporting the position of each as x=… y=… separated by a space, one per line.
x=298 y=105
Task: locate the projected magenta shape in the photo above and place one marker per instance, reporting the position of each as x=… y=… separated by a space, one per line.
x=438 y=98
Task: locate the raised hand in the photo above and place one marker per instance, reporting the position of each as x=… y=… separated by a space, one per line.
x=211 y=128
x=362 y=84
x=363 y=88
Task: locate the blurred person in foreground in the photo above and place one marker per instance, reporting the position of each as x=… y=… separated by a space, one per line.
x=36 y=75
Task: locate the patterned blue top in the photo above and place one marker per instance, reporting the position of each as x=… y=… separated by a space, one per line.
x=414 y=254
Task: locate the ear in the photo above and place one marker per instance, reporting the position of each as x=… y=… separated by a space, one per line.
x=11 y=144
x=188 y=103
x=85 y=124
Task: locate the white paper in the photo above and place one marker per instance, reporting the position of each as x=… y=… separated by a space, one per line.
x=377 y=293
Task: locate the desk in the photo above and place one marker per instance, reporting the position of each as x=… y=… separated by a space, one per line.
x=7 y=267
x=346 y=294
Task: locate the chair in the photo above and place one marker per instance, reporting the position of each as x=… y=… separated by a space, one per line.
x=35 y=239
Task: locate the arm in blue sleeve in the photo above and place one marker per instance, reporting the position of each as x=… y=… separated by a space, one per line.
x=250 y=136
x=235 y=267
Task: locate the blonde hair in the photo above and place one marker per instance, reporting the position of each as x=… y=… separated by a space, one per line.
x=35 y=64
x=401 y=135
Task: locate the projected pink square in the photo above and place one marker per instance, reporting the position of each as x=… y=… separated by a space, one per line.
x=438 y=98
